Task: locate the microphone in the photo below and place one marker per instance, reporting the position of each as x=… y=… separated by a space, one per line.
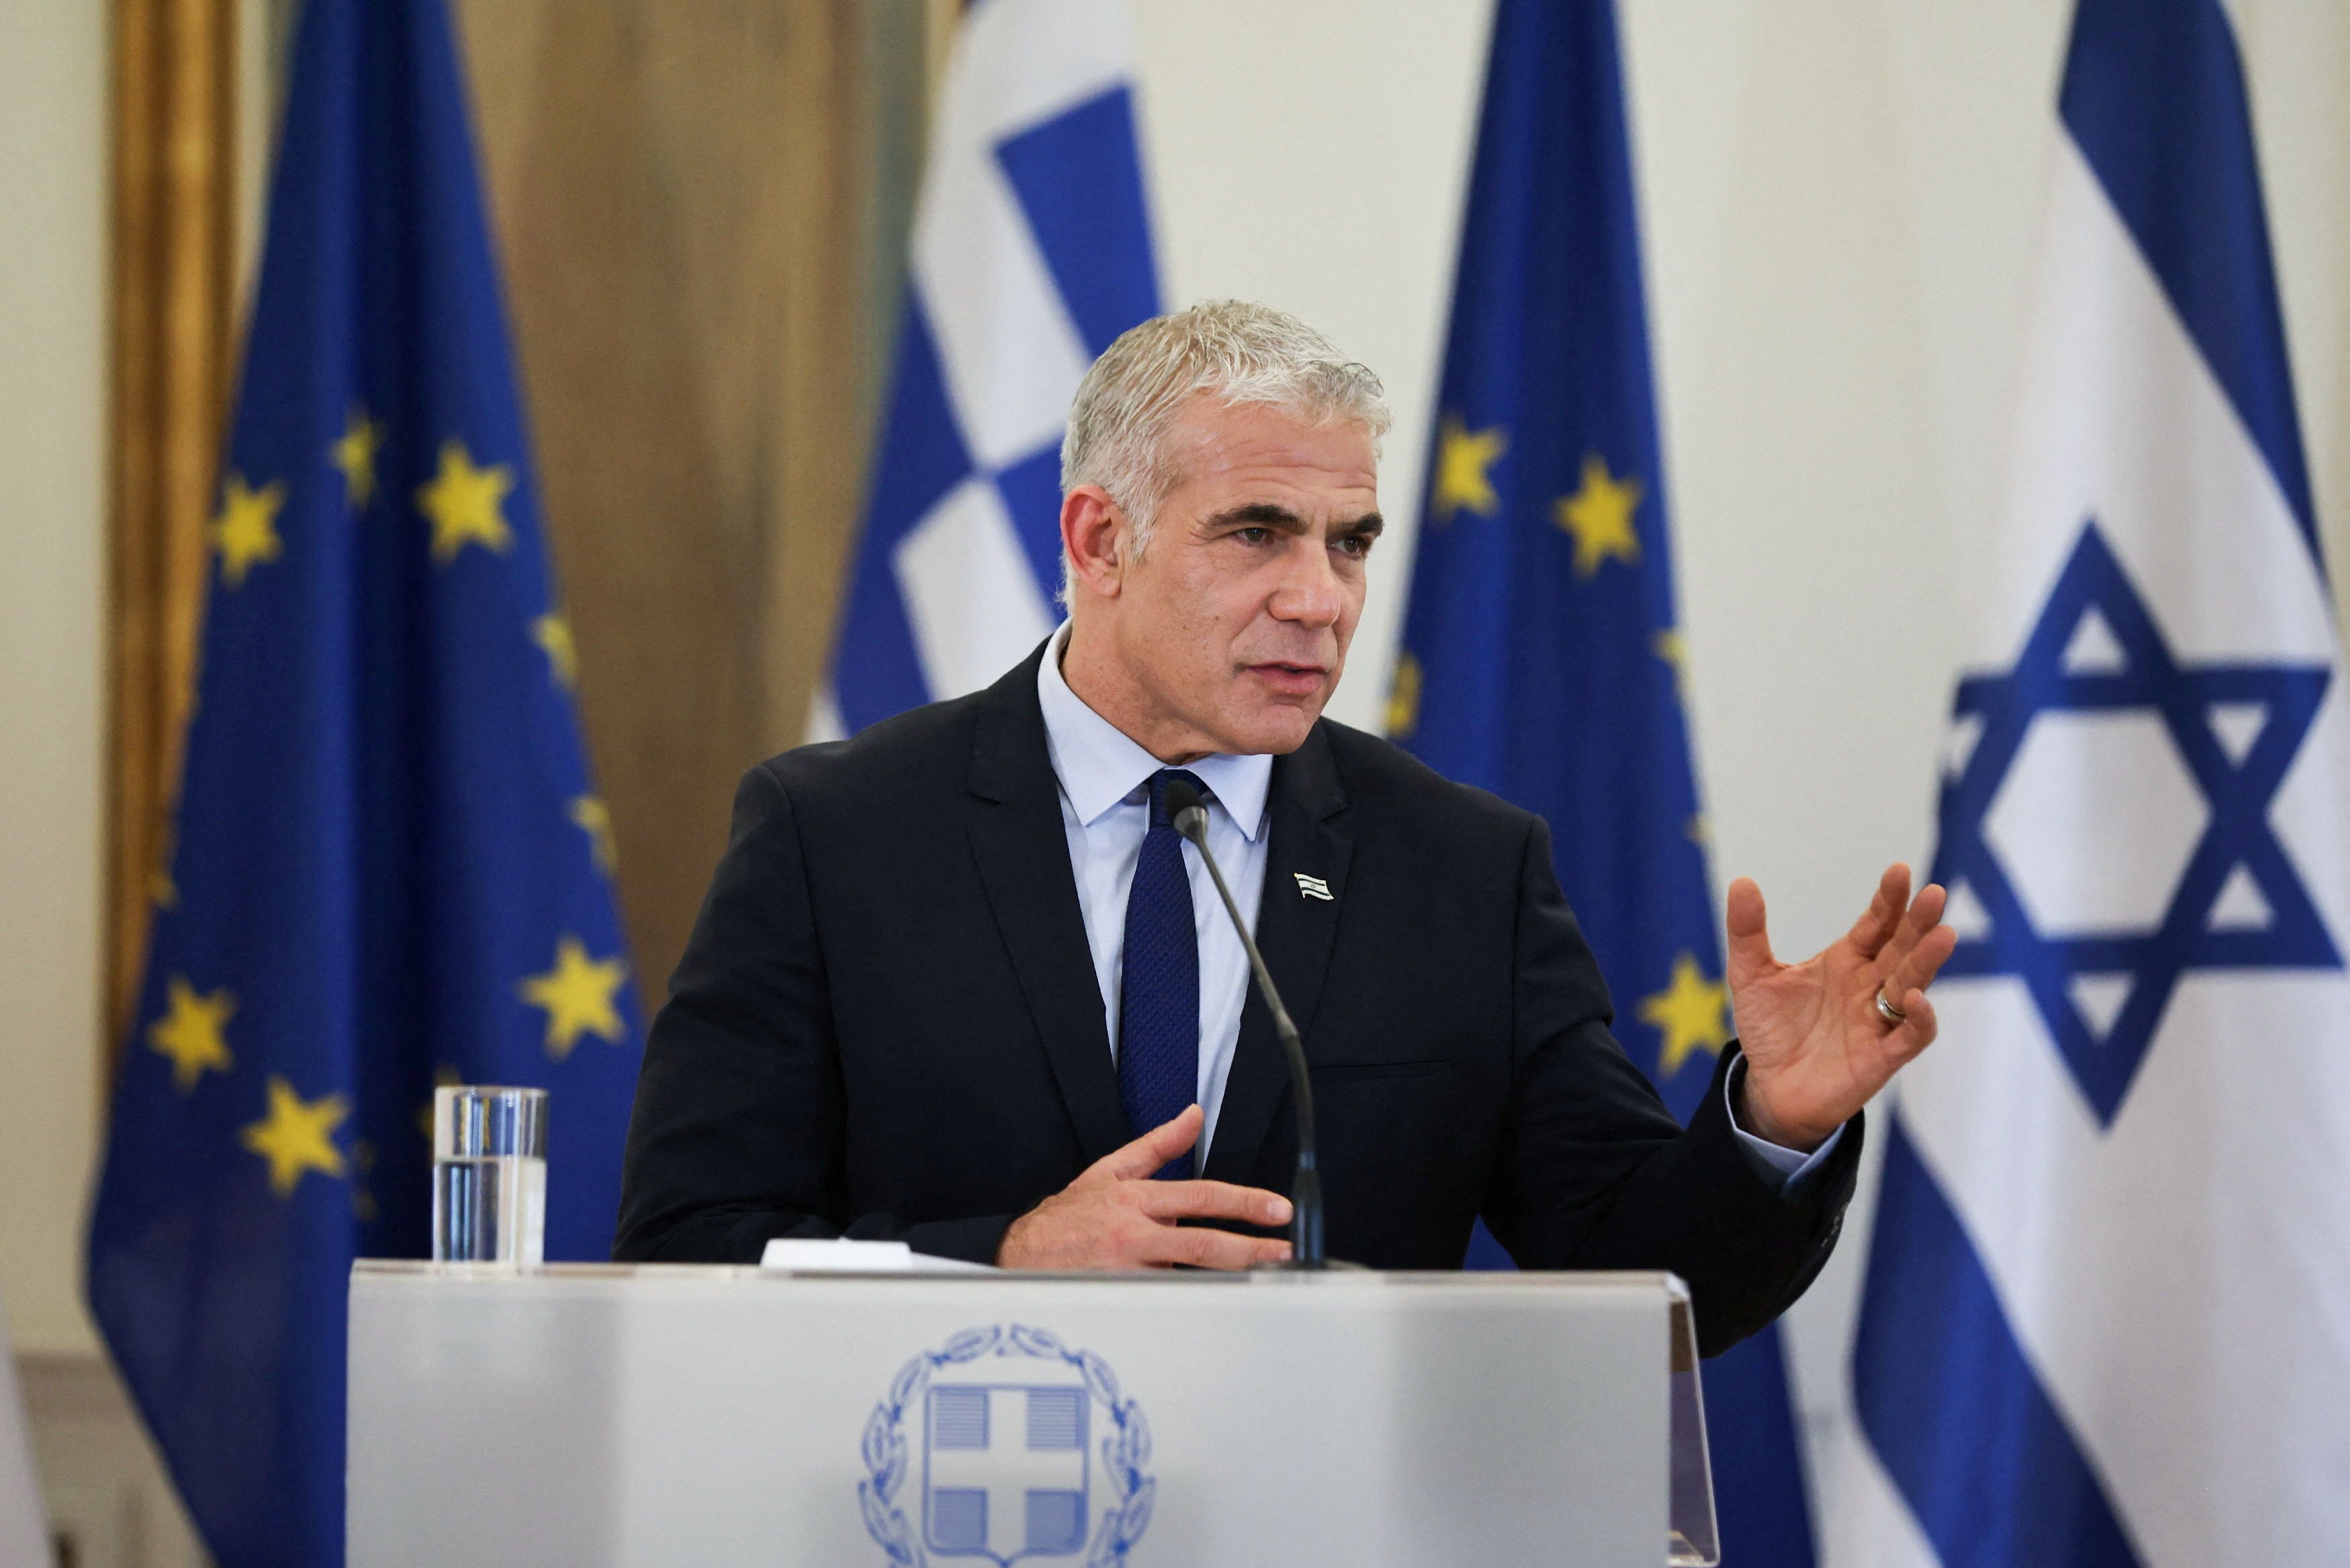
x=1189 y=819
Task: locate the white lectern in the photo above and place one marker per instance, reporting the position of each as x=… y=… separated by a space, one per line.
x=650 y=1415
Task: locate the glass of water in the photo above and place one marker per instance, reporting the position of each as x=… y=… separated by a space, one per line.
x=489 y=1174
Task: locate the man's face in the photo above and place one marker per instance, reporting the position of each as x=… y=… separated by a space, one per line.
x=1233 y=626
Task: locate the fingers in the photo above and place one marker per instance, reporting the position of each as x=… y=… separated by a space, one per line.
x=1916 y=968
x=1205 y=1248
x=1918 y=1030
x=1925 y=914
x=1876 y=927
x=1143 y=1158
x=1213 y=1201
x=1750 y=941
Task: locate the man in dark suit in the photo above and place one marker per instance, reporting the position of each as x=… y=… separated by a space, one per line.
x=959 y=982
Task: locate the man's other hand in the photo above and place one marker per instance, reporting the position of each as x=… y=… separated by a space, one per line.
x=1116 y=1217
x=1817 y=1045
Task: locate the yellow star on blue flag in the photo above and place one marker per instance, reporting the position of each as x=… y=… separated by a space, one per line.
x=193 y=1033
x=244 y=535
x=296 y=1136
x=1689 y=1015
x=465 y=503
x=353 y=455
x=1464 y=470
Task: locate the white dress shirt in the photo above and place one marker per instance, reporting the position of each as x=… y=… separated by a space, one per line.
x=1105 y=811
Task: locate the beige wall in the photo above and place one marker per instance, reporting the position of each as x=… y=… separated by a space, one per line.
x=1839 y=198
x=52 y=596
x=103 y=1489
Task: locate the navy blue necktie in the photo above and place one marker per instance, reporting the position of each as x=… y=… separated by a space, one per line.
x=1159 y=1000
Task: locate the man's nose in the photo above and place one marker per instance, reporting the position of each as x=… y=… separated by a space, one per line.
x=1308 y=593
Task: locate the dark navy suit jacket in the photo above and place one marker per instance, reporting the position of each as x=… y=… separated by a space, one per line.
x=887 y=1025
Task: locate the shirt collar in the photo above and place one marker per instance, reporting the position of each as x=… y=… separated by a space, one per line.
x=1100 y=764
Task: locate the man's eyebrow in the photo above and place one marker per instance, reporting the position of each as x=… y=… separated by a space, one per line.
x=1258 y=514
x=1272 y=514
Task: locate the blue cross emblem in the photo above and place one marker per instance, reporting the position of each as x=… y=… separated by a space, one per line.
x=1004 y=1470
x=2237 y=768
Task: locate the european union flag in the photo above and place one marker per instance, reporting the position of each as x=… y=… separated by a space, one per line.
x=390 y=864
x=1542 y=659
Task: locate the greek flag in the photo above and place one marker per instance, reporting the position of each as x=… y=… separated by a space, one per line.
x=2104 y=1320
x=1031 y=252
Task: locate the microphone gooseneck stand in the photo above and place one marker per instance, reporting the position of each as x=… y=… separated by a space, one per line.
x=1189 y=819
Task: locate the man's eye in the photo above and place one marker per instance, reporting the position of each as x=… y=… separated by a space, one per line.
x=1255 y=536
x=1355 y=545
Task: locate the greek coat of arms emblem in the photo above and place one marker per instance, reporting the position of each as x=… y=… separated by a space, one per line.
x=1016 y=1447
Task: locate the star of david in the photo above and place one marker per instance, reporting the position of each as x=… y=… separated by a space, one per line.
x=2238 y=790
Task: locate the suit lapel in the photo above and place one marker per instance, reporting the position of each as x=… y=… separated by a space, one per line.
x=1297 y=932
x=1022 y=855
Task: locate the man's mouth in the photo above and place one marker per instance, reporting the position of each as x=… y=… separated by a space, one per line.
x=1292 y=679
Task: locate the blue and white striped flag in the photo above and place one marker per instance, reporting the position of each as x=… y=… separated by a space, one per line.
x=2107 y=1311
x=1031 y=252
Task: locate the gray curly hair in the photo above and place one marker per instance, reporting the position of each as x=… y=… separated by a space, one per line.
x=1232 y=350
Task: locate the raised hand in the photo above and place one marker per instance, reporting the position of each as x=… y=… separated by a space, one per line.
x=1115 y=1217
x=1817 y=1047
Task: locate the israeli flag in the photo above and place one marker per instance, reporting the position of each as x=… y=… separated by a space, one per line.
x=1031 y=253
x=2107 y=1311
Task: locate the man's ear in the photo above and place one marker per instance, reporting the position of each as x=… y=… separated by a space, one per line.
x=1093 y=534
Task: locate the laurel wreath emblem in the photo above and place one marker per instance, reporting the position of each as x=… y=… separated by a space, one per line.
x=1125 y=1450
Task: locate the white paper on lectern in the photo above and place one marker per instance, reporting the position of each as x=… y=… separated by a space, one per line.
x=846 y=1257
